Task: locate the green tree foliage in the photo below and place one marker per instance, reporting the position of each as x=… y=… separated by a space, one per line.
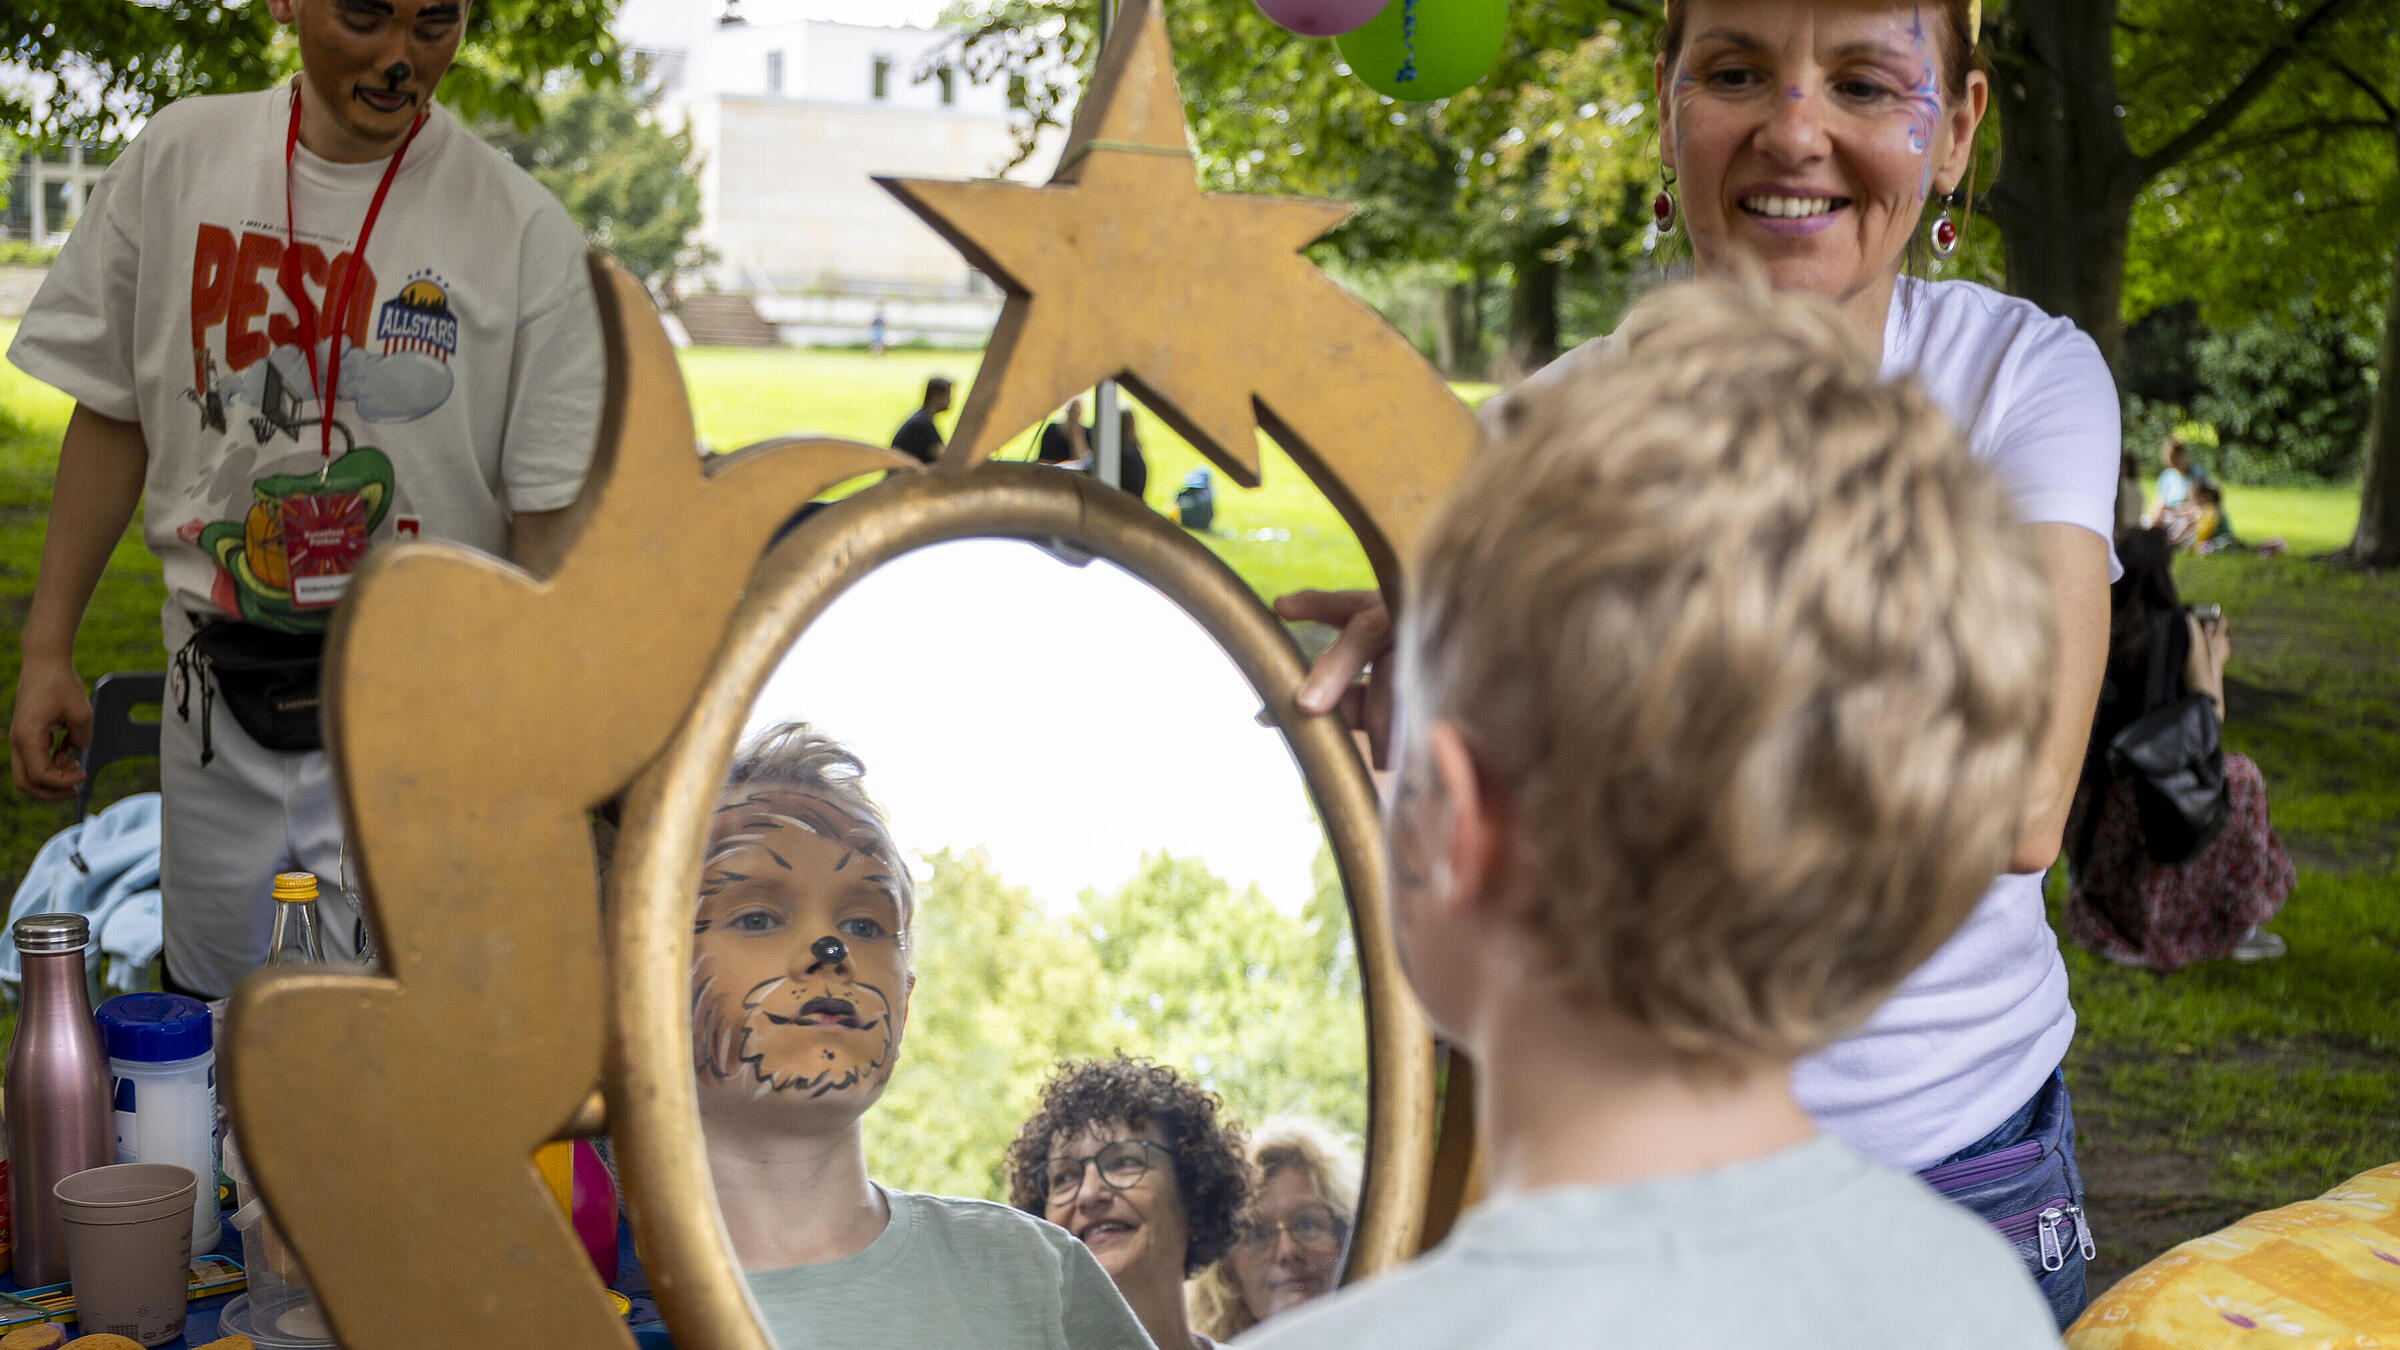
x=1538 y=169
x=116 y=60
x=1002 y=992
x=2099 y=100
x=2280 y=233
x=2290 y=400
x=1259 y=1006
x=2297 y=201
x=633 y=188
x=1175 y=965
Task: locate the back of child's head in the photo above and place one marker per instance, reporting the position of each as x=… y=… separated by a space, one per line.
x=2207 y=494
x=1757 y=654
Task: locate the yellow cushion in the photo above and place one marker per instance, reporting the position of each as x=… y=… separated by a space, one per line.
x=2321 y=1274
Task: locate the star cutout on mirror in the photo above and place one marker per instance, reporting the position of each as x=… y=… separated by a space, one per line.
x=1121 y=267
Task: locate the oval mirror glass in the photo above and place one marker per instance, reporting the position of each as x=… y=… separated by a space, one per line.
x=1004 y=820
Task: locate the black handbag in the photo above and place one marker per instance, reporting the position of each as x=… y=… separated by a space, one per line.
x=2172 y=756
x=267 y=680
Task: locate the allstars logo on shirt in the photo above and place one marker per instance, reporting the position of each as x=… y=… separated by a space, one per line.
x=418 y=319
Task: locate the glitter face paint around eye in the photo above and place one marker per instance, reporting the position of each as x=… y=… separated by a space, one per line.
x=1686 y=89
x=1925 y=104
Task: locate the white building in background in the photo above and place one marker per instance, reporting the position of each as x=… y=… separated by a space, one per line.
x=795 y=116
x=45 y=197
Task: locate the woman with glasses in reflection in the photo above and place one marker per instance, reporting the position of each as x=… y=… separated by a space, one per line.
x=1288 y=1248
x=1134 y=1163
x=802 y=973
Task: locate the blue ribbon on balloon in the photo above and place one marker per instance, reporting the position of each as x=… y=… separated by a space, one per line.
x=1408 y=39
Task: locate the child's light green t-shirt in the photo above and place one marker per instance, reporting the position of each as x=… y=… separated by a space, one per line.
x=949 y=1272
x=1809 y=1248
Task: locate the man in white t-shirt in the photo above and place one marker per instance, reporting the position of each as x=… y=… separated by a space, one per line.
x=297 y=323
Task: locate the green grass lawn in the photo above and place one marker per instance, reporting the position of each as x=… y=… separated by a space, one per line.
x=2201 y=1095
x=1281 y=537
x=2222 y=1089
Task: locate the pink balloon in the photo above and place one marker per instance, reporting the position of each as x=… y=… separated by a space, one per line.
x=1322 y=18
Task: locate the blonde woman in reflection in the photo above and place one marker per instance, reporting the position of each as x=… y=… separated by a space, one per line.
x=800 y=995
x=1288 y=1248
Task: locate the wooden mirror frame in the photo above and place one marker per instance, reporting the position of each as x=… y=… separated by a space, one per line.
x=671 y=807
x=475 y=715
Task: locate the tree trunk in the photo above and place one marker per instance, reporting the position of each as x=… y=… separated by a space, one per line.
x=2064 y=201
x=1532 y=314
x=1459 y=336
x=2068 y=178
x=2377 y=542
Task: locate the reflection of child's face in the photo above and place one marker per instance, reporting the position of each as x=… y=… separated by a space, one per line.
x=799 y=962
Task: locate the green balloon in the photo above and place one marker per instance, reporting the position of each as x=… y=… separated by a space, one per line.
x=1456 y=43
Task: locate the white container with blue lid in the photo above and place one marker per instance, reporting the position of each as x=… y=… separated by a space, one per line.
x=162 y=1067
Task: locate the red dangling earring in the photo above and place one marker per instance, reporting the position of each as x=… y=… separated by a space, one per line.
x=1944 y=233
x=1662 y=207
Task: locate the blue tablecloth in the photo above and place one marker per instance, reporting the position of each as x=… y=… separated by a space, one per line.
x=200 y=1321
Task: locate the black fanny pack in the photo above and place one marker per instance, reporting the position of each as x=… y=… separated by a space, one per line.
x=267 y=680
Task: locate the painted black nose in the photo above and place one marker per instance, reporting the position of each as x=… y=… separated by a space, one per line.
x=828 y=950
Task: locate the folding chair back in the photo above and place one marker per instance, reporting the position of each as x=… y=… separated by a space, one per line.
x=115 y=735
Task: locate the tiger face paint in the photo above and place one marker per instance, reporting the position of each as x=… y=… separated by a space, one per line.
x=800 y=972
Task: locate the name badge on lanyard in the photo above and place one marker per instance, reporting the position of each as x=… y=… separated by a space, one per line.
x=325 y=531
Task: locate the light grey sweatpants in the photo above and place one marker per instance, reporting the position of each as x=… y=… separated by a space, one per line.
x=227 y=829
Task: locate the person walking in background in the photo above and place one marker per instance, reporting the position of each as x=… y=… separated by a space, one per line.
x=2122 y=902
x=296 y=324
x=876 y=332
x=919 y=435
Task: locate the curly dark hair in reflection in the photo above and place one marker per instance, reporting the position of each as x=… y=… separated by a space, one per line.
x=1212 y=1171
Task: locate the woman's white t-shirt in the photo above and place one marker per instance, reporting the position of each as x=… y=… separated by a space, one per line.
x=1973 y=1033
x=1970 y=1036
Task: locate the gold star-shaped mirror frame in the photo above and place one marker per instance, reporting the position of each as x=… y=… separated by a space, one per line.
x=476 y=715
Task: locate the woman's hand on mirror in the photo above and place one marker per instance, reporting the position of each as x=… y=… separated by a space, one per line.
x=1334 y=682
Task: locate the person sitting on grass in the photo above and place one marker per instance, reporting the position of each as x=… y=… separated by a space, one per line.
x=2123 y=902
x=2175 y=478
x=800 y=992
x=1719 y=677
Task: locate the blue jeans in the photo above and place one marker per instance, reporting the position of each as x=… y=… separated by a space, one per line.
x=2022 y=1179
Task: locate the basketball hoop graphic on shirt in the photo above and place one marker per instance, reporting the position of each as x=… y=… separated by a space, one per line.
x=278 y=408
x=418 y=319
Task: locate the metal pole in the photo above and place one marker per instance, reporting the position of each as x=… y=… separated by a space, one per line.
x=1110 y=450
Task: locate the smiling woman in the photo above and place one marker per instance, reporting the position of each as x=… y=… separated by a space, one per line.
x=1134 y=1162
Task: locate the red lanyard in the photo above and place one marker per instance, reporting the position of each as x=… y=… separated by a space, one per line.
x=348 y=283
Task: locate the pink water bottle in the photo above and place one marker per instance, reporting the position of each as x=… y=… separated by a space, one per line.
x=57 y=1092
